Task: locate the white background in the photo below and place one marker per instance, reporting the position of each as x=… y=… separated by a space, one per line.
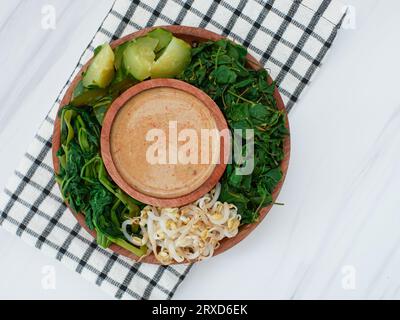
x=341 y=195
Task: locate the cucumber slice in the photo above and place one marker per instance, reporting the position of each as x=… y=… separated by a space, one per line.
x=139 y=56
x=164 y=37
x=175 y=58
x=101 y=71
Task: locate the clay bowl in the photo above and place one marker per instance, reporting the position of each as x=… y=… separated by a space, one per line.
x=191 y=35
x=112 y=167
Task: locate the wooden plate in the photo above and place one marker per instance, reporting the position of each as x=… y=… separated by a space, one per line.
x=191 y=35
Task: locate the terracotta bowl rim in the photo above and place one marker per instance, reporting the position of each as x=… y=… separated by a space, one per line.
x=196 y=35
x=108 y=159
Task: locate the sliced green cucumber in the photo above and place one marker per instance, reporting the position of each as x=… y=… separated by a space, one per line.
x=101 y=71
x=138 y=57
x=163 y=36
x=175 y=58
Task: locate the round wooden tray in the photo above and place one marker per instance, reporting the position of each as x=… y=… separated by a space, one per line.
x=191 y=35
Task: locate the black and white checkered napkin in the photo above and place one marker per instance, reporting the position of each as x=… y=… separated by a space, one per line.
x=289 y=37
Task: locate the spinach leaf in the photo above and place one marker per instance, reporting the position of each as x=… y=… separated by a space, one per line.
x=224 y=75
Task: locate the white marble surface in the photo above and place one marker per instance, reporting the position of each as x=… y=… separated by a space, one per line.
x=341 y=196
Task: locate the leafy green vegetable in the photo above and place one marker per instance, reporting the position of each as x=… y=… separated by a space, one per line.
x=100 y=108
x=84 y=181
x=86 y=96
x=247 y=101
x=224 y=75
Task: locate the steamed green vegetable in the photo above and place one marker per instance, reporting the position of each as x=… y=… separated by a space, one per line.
x=156 y=55
x=85 y=183
x=164 y=37
x=139 y=57
x=246 y=99
x=122 y=79
x=101 y=71
x=83 y=96
x=119 y=54
x=173 y=60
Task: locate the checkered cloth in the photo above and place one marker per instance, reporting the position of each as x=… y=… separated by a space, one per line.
x=289 y=37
